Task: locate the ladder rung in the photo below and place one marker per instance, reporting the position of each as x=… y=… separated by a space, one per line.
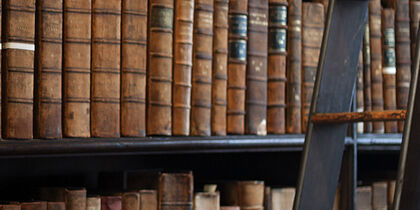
x=346 y=117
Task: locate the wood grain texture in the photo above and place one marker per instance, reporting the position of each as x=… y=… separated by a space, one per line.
x=388 y=115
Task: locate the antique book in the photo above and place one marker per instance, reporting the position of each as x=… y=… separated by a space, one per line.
x=148 y=200
x=133 y=67
x=202 y=68
x=18 y=68
x=10 y=207
x=267 y=198
x=379 y=196
x=106 y=46
x=38 y=205
x=93 y=203
x=48 y=65
x=414 y=24
x=256 y=72
x=207 y=201
x=359 y=92
x=176 y=191
x=230 y=208
x=228 y=193
x=131 y=201
x=112 y=202
x=312 y=32
x=325 y=4
x=219 y=71
x=251 y=195
x=391 y=192
x=276 y=75
x=56 y=206
x=282 y=198
x=294 y=62
x=159 y=104
x=183 y=62
x=364 y=198
x=75 y=198
x=76 y=68
x=367 y=91
x=388 y=67
x=376 y=61
x=238 y=16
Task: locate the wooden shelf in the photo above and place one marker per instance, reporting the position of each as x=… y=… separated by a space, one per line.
x=379 y=142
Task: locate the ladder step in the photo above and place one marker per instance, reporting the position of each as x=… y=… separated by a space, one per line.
x=347 y=117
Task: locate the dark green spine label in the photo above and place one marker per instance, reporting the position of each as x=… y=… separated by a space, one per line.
x=277 y=39
x=161 y=17
x=278 y=15
x=237 y=50
x=238 y=25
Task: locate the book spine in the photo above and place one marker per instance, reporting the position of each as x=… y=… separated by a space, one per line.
x=389 y=69
x=131 y=201
x=111 y=203
x=202 y=68
x=294 y=62
x=56 y=206
x=251 y=195
x=277 y=51
x=359 y=92
x=267 y=198
x=159 y=113
x=182 y=198
x=379 y=195
x=312 y=32
x=133 y=67
x=256 y=73
x=49 y=42
x=76 y=68
x=414 y=24
x=10 y=207
x=148 y=200
x=364 y=197
x=33 y=206
x=220 y=66
x=367 y=91
x=376 y=61
x=238 y=19
x=18 y=76
x=93 y=203
x=207 y=201
x=105 y=89
x=183 y=51
x=230 y=208
x=75 y=199
x=282 y=198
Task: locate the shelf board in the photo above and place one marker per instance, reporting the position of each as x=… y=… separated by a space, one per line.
x=379 y=142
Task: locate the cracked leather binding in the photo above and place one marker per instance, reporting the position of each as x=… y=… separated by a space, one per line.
x=176 y=191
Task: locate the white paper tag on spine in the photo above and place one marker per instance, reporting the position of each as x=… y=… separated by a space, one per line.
x=19 y=46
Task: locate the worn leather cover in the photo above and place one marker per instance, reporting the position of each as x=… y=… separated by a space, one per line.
x=93 y=203
x=202 y=68
x=294 y=62
x=56 y=206
x=111 y=202
x=277 y=51
x=312 y=32
x=75 y=199
x=367 y=90
x=251 y=195
x=376 y=61
x=33 y=206
x=133 y=67
x=49 y=42
x=176 y=191
x=359 y=92
x=207 y=201
x=183 y=61
x=282 y=198
x=414 y=24
x=76 y=68
x=237 y=59
x=18 y=66
x=379 y=196
x=106 y=38
x=256 y=73
x=131 y=201
x=10 y=207
x=388 y=66
x=220 y=57
x=364 y=198
x=148 y=200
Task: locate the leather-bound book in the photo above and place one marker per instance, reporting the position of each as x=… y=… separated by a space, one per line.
x=176 y=191
x=75 y=199
x=133 y=67
x=379 y=196
x=294 y=68
x=159 y=104
x=207 y=201
x=93 y=203
x=251 y=195
x=256 y=73
x=131 y=201
x=10 y=207
x=230 y=208
x=33 y=205
x=367 y=91
x=267 y=198
x=106 y=46
x=376 y=61
x=391 y=192
x=276 y=84
x=237 y=59
x=52 y=194
x=148 y=200
x=364 y=198
x=76 y=68
x=49 y=42
x=111 y=202
x=359 y=92
x=312 y=31
x=18 y=68
x=414 y=24
x=388 y=67
x=220 y=57
x=202 y=68
x=183 y=62
x=56 y=206
x=325 y=4
x=282 y=198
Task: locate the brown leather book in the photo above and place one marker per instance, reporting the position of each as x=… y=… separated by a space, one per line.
x=238 y=16
x=230 y=208
x=93 y=203
x=220 y=57
x=106 y=40
x=282 y=198
x=176 y=191
x=414 y=24
x=52 y=194
x=251 y=195
x=312 y=32
x=267 y=198
x=133 y=67
x=379 y=196
x=10 y=207
x=49 y=42
x=207 y=201
x=367 y=91
x=364 y=198
x=388 y=67
x=111 y=202
x=256 y=73
x=131 y=201
x=183 y=61
x=75 y=199
x=325 y=4
x=294 y=68
x=76 y=68
x=202 y=68
x=148 y=200
x=391 y=193
x=33 y=205
x=276 y=84
x=56 y=206
x=376 y=61
x=159 y=105
x=359 y=92
x=18 y=68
